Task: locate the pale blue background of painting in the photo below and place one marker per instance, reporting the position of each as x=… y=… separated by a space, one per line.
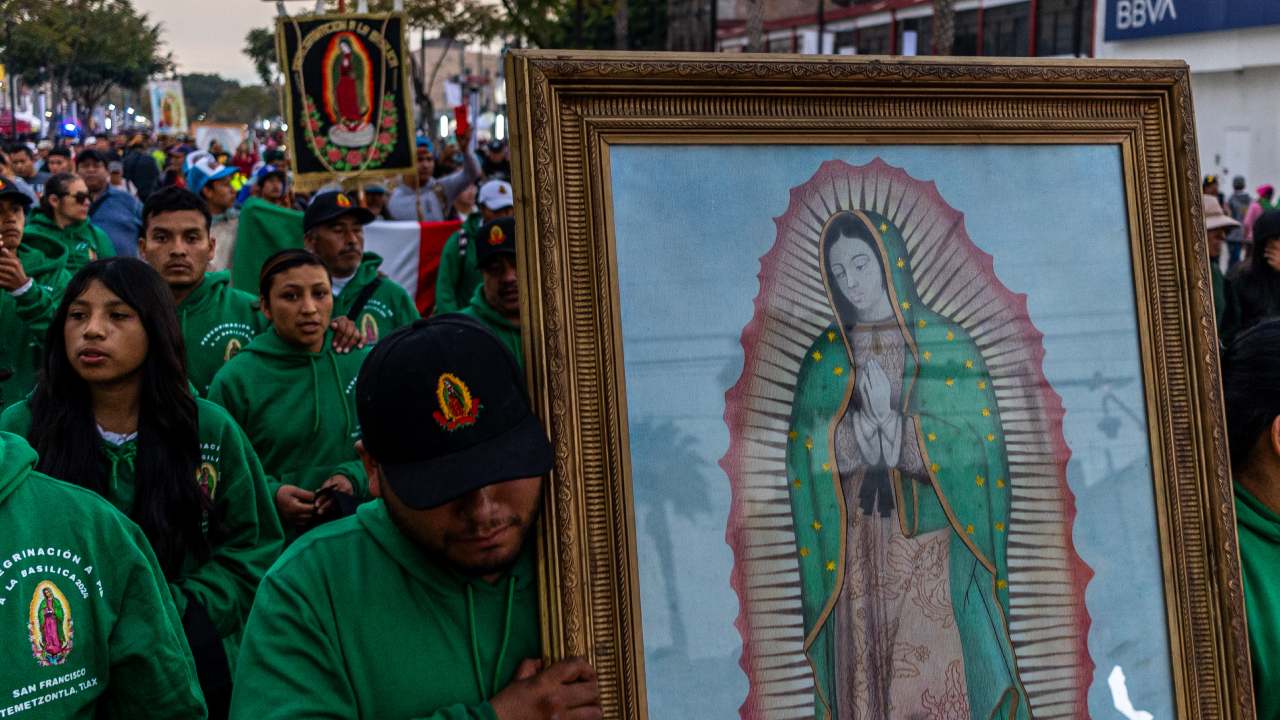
x=691 y=224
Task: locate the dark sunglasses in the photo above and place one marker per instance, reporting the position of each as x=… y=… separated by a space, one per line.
x=80 y=197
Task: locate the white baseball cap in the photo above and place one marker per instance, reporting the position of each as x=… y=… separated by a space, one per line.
x=495 y=195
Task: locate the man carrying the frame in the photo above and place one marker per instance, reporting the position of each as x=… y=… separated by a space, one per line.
x=424 y=604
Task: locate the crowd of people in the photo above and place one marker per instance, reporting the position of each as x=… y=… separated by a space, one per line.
x=223 y=503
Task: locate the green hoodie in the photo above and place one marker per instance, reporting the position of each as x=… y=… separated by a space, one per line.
x=249 y=537
x=25 y=319
x=217 y=321
x=388 y=309
x=458 y=275
x=354 y=621
x=298 y=408
x=1259 y=532
x=106 y=641
x=507 y=331
x=84 y=241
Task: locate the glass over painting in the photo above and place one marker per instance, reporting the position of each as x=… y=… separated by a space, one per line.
x=888 y=434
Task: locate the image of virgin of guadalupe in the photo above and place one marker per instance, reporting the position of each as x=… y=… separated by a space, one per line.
x=923 y=466
x=347 y=98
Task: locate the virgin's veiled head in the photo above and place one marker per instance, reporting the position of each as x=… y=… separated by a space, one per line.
x=854 y=271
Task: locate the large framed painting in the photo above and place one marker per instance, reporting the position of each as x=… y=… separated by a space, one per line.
x=879 y=389
x=347 y=96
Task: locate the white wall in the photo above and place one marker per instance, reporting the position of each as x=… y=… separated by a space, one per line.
x=1235 y=81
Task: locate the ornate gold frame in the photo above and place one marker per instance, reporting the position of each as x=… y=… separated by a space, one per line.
x=568 y=108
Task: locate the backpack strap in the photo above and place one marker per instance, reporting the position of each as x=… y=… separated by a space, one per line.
x=363 y=298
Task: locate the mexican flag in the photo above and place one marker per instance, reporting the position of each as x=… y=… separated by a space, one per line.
x=410 y=251
x=410 y=254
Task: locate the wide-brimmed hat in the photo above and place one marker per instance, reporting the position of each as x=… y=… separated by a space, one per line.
x=1214 y=217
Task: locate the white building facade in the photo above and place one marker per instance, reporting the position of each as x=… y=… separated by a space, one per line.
x=1233 y=48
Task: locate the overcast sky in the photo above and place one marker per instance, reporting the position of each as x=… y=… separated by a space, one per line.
x=208 y=35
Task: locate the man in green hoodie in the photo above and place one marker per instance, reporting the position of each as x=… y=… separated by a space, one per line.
x=217 y=320
x=333 y=229
x=90 y=628
x=1251 y=393
x=458 y=276
x=424 y=604
x=63 y=217
x=32 y=276
x=496 y=301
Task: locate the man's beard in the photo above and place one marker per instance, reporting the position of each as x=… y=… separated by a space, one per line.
x=440 y=554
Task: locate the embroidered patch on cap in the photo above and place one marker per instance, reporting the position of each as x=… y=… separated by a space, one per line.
x=458 y=408
x=343 y=200
x=502 y=189
x=496 y=236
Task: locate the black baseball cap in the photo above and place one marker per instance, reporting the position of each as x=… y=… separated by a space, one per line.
x=496 y=238
x=92 y=155
x=10 y=191
x=329 y=206
x=442 y=409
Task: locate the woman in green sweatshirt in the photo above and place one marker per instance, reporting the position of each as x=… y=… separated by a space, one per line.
x=295 y=396
x=32 y=275
x=114 y=413
x=107 y=641
x=63 y=218
x=1251 y=389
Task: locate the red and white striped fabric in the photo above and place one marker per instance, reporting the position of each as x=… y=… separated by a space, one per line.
x=410 y=254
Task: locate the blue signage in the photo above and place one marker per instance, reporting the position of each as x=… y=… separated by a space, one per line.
x=1134 y=19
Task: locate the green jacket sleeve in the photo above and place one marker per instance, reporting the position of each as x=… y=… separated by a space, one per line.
x=289 y=666
x=152 y=673
x=37 y=306
x=249 y=538
x=227 y=393
x=447 y=299
x=353 y=470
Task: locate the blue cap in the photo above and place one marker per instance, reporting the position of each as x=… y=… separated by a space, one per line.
x=424 y=141
x=203 y=169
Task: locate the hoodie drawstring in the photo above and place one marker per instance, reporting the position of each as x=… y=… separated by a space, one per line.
x=475 y=644
x=315 y=396
x=119 y=454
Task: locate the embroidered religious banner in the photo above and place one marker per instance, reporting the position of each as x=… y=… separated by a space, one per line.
x=347 y=97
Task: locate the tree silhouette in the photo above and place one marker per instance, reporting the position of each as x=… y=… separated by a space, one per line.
x=666 y=464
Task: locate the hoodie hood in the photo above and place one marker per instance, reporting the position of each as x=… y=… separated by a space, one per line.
x=42 y=257
x=1259 y=519
x=368 y=270
x=269 y=344
x=17 y=460
x=211 y=286
x=43 y=222
x=272 y=349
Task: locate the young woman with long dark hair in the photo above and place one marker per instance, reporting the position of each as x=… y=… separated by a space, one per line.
x=294 y=395
x=63 y=216
x=113 y=412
